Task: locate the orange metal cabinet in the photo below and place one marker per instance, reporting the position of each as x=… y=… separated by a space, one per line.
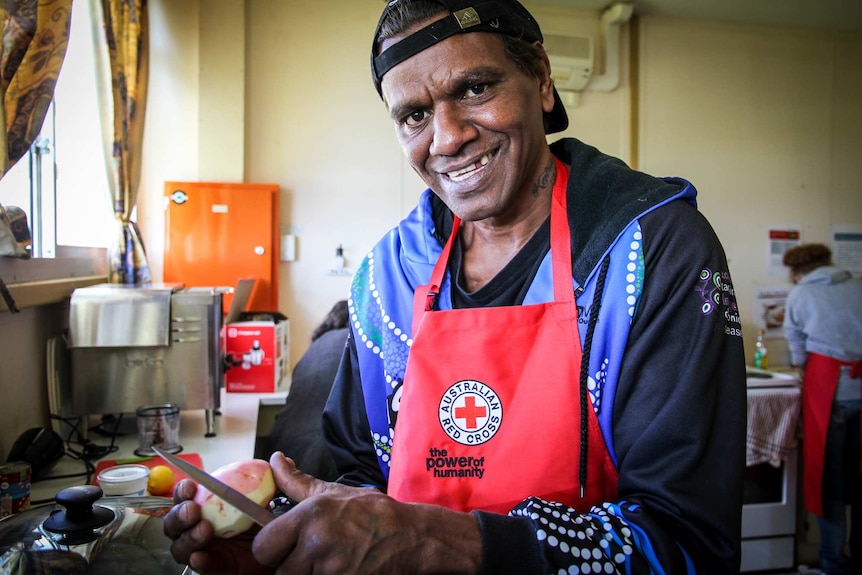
x=219 y=233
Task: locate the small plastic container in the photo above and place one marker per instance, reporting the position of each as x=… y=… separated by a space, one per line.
x=124 y=480
x=158 y=425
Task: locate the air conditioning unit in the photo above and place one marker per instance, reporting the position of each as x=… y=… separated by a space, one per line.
x=571 y=60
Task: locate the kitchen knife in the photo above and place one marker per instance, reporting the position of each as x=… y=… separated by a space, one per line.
x=258 y=514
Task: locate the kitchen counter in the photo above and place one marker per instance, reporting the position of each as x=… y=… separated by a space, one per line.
x=236 y=429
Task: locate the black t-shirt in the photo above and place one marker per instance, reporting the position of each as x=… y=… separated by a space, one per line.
x=507 y=288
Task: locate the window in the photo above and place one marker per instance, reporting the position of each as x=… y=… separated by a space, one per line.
x=62 y=182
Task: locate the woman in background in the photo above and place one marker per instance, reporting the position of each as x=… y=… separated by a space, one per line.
x=823 y=327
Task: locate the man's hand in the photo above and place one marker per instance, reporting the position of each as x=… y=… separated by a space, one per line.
x=333 y=529
x=337 y=529
x=195 y=544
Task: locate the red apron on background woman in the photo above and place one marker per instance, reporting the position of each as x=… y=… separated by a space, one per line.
x=818 y=391
x=490 y=410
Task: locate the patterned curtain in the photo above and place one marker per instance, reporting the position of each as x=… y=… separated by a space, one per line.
x=35 y=36
x=126 y=35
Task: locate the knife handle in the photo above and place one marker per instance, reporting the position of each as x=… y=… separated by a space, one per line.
x=281 y=505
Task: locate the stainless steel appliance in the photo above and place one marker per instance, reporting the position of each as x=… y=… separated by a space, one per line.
x=133 y=346
x=771 y=487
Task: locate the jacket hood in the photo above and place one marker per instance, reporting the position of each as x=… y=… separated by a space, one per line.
x=604 y=195
x=826 y=275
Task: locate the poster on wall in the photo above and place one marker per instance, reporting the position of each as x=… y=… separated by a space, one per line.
x=781 y=239
x=847 y=248
x=769 y=304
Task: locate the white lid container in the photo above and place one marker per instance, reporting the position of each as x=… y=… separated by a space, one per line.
x=124 y=480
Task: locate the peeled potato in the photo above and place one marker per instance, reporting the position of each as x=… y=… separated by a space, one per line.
x=251 y=477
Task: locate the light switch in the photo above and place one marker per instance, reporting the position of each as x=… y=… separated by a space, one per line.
x=288 y=248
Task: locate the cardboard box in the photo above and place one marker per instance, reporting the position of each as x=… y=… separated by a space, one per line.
x=257 y=346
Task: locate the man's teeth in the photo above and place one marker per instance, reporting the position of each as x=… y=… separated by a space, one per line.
x=466 y=172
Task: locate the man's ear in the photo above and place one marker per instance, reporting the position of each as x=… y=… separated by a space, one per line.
x=546 y=83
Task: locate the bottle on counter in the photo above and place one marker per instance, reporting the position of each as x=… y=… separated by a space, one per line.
x=761 y=359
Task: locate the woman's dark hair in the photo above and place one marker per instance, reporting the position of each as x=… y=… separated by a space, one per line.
x=405 y=14
x=335 y=319
x=808 y=257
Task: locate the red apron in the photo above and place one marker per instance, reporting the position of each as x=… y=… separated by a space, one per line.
x=490 y=411
x=818 y=390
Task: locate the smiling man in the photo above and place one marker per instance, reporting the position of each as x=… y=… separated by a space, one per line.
x=541 y=376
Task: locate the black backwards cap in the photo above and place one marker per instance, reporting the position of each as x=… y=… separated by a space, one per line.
x=507 y=17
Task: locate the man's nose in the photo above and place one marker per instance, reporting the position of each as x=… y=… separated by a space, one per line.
x=452 y=129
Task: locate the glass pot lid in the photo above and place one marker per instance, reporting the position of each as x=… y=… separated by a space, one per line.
x=84 y=532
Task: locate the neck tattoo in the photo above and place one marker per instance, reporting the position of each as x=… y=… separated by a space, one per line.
x=546 y=178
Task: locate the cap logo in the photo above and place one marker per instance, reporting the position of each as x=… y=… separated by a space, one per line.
x=467 y=18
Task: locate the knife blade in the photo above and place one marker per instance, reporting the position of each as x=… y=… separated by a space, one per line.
x=258 y=514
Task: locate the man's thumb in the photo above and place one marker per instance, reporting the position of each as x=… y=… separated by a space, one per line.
x=295 y=484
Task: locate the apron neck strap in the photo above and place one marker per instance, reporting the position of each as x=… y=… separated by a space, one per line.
x=561 y=250
x=561 y=239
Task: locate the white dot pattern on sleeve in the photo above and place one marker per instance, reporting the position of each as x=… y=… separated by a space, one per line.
x=596 y=543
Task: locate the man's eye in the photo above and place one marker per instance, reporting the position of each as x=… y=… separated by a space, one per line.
x=414 y=118
x=476 y=90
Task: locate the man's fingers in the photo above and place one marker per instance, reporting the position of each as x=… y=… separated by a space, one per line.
x=293 y=483
x=180 y=518
x=184 y=490
x=188 y=541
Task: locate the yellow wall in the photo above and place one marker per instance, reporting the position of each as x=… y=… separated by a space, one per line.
x=767 y=123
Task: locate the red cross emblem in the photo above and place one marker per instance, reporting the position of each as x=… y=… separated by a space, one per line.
x=471 y=412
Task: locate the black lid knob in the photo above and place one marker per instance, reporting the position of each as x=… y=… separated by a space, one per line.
x=80 y=518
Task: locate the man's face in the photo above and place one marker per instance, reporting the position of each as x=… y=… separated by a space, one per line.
x=471 y=124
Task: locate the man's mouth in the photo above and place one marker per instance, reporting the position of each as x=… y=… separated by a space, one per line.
x=466 y=172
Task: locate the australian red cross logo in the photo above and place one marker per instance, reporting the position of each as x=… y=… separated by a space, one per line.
x=470 y=412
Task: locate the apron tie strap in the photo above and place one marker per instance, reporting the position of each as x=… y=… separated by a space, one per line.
x=585 y=373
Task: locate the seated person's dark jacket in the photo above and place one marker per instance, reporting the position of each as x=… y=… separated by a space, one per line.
x=297 y=431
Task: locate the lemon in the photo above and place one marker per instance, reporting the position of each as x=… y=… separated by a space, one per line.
x=161 y=480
